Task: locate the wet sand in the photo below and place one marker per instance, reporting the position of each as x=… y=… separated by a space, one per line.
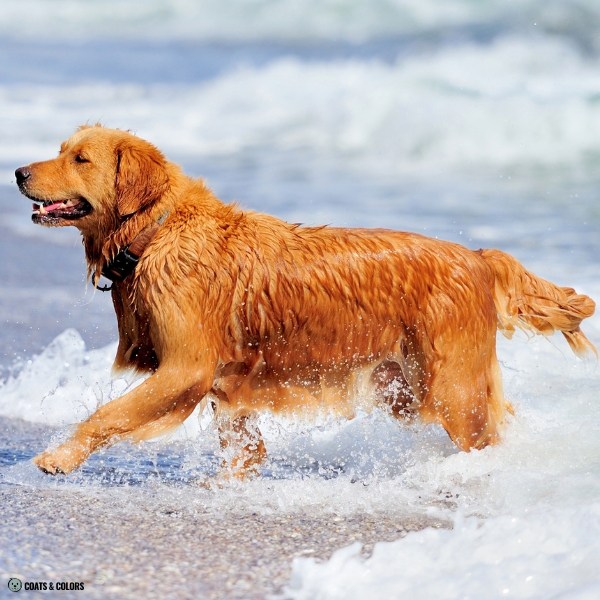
x=146 y=542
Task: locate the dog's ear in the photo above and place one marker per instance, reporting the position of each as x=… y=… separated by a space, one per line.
x=141 y=175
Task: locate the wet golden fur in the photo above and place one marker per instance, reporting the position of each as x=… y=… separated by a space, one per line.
x=257 y=314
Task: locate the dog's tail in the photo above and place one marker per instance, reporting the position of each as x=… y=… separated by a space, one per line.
x=526 y=301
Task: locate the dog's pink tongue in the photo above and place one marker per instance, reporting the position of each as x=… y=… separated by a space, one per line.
x=53 y=206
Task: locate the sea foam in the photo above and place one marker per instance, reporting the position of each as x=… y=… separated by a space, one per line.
x=299 y=21
x=517 y=103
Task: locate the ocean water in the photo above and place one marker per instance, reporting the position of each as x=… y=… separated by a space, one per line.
x=475 y=121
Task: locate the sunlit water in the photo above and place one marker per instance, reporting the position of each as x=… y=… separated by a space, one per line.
x=472 y=121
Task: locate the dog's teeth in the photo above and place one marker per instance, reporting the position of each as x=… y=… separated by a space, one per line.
x=68 y=203
x=43 y=211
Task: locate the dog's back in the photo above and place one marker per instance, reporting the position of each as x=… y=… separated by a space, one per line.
x=260 y=314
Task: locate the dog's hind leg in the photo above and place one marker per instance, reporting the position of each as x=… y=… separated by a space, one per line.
x=465 y=397
x=400 y=379
x=392 y=389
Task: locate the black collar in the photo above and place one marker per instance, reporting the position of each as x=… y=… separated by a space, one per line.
x=126 y=260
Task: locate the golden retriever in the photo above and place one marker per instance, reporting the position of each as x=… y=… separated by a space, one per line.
x=255 y=314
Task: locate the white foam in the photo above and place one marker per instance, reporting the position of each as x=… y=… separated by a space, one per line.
x=282 y=21
x=546 y=554
x=66 y=383
x=63 y=385
x=518 y=103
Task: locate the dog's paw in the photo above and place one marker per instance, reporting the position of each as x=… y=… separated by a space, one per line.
x=46 y=463
x=62 y=460
x=212 y=484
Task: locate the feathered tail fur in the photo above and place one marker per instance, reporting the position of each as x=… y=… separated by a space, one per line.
x=526 y=301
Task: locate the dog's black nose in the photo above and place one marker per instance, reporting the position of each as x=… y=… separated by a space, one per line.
x=22 y=174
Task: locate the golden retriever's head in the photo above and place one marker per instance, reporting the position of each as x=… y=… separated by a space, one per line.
x=100 y=177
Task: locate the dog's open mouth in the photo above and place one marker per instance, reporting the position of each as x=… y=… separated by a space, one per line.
x=51 y=211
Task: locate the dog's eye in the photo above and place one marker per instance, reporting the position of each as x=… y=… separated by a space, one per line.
x=81 y=159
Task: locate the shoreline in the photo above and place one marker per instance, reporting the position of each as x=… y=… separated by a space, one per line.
x=51 y=535
x=132 y=541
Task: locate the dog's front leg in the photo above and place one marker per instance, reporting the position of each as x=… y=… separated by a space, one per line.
x=243 y=448
x=162 y=401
